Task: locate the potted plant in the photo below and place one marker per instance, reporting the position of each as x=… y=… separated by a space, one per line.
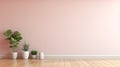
x=34 y=53
x=25 y=51
x=14 y=39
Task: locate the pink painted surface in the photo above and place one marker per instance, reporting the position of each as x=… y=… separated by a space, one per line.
x=62 y=27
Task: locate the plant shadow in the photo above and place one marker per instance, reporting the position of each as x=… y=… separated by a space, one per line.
x=4 y=45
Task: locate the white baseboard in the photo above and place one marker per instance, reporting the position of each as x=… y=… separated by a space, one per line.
x=5 y=56
x=70 y=57
x=82 y=56
x=8 y=56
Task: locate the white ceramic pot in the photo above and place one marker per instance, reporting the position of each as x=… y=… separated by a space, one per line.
x=41 y=55
x=25 y=55
x=34 y=56
x=14 y=55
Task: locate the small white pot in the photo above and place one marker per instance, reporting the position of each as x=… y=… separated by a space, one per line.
x=14 y=55
x=25 y=55
x=41 y=55
x=34 y=56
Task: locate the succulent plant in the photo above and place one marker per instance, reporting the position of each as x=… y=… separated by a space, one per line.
x=34 y=52
x=25 y=47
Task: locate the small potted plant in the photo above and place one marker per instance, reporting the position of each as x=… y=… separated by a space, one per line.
x=25 y=51
x=34 y=53
x=14 y=38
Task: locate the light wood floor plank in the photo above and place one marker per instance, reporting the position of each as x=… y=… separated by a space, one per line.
x=60 y=63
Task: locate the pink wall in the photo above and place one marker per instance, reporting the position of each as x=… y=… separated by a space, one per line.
x=64 y=27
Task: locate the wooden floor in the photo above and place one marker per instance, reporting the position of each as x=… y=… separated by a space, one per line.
x=59 y=63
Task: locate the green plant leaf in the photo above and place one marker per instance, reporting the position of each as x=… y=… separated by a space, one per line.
x=12 y=40
x=15 y=46
x=8 y=33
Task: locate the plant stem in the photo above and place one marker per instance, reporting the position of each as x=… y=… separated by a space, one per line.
x=14 y=49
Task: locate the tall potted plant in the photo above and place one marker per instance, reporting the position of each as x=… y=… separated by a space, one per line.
x=25 y=51
x=14 y=38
